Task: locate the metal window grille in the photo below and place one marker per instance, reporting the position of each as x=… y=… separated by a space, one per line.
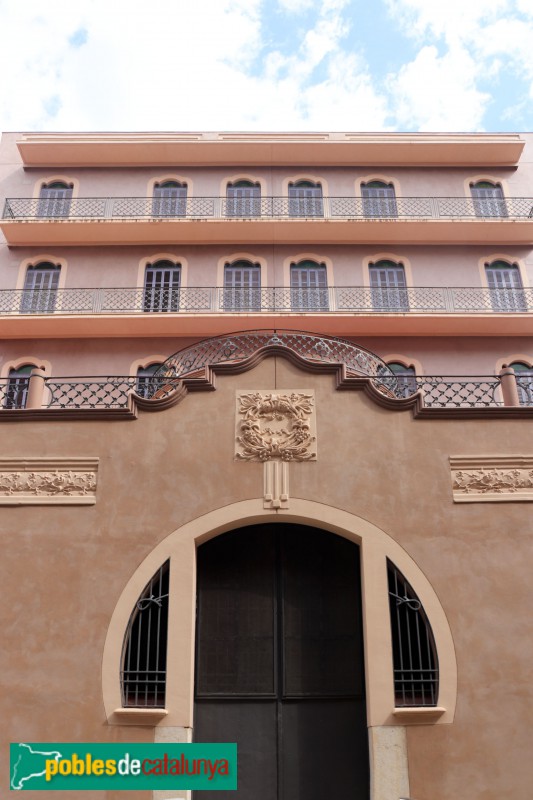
x=17 y=387
x=242 y=286
x=309 y=287
x=54 y=200
x=388 y=287
x=524 y=382
x=170 y=199
x=505 y=286
x=144 y=663
x=162 y=287
x=243 y=199
x=488 y=200
x=405 y=384
x=147 y=384
x=305 y=200
x=415 y=664
x=379 y=199
x=40 y=289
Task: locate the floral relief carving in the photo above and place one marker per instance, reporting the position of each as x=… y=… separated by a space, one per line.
x=48 y=483
x=491 y=478
x=494 y=480
x=275 y=426
x=41 y=481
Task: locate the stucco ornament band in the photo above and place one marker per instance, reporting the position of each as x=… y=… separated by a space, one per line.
x=492 y=479
x=275 y=426
x=37 y=481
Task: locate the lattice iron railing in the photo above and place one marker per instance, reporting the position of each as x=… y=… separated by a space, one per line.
x=278 y=299
x=97 y=392
x=348 y=208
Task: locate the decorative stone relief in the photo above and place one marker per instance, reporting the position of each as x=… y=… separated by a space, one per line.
x=276 y=426
x=48 y=481
x=492 y=479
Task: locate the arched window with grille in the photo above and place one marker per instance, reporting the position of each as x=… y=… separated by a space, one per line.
x=405 y=379
x=379 y=199
x=505 y=286
x=17 y=386
x=415 y=662
x=162 y=281
x=169 y=199
x=144 y=657
x=147 y=385
x=54 y=199
x=243 y=199
x=524 y=382
x=388 y=286
x=309 y=286
x=305 y=199
x=488 y=199
x=40 y=288
x=242 y=286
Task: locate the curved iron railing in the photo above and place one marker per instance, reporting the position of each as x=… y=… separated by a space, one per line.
x=112 y=392
x=347 y=208
x=238 y=347
x=277 y=299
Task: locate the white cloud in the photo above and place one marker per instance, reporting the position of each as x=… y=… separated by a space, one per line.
x=438 y=93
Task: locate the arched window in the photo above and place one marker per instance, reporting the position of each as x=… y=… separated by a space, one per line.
x=488 y=199
x=505 y=286
x=169 y=199
x=243 y=199
x=18 y=383
x=524 y=382
x=242 y=286
x=162 y=286
x=147 y=385
x=144 y=657
x=54 y=199
x=309 y=286
x=379 y=199
x=415 y=663
x=40 y=288
x=388 y=286
x=305 y=199
x=405 y=378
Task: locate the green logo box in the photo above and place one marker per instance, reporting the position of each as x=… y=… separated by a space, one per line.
x=60 y=765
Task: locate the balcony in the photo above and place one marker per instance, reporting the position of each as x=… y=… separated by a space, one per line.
x=113 y=393
x=334 y=220
x=205 y=311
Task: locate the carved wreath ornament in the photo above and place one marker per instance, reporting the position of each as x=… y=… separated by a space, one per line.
x=275 y=426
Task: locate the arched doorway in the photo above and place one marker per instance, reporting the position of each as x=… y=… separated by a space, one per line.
x=279 y=661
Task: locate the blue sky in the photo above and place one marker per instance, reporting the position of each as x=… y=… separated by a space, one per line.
x=384 y=65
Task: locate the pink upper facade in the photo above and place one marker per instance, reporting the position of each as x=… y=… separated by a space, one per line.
x=418 y=247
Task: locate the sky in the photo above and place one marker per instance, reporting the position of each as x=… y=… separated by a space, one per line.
x=266 y=65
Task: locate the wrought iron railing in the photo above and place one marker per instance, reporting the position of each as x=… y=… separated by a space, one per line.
x=211 y=299
x=347 y=208
x=109 y=392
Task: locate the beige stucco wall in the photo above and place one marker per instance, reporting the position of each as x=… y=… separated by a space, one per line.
x=64 y=568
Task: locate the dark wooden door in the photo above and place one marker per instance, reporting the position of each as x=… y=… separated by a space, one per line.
x=279 y=662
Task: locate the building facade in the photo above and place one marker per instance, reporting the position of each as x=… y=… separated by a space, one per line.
x=267 y=464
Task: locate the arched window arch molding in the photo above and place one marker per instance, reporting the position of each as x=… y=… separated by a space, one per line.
x=319 y=179
x=173 y=257
x=225 y=182
x=325 y=260
x=73 y=183
x=397 y=259
x=469 y=182
x=407 y=361
x=376 y=547
x=229 y=259
x=16 y=363
x=34 y=261
x=387 y=179
x=170 y=177
x=144 y=363
x=513 y=262
x=512 y=359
